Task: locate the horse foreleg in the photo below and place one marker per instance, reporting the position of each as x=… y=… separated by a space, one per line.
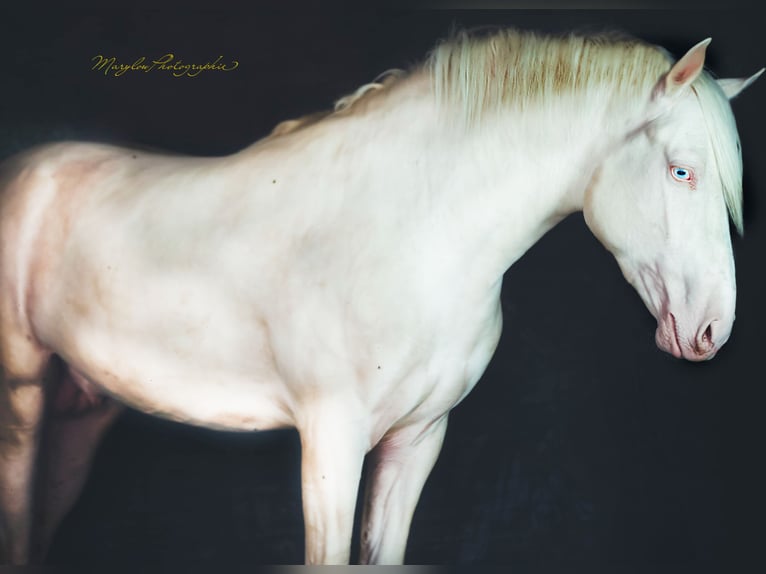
x=399 y=467
x=332 y=456
x=73 y=431
x=21 y=409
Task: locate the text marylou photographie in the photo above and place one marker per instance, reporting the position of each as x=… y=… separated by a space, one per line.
x=167 y=63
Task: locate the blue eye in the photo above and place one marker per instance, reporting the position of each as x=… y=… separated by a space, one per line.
x=681 y=173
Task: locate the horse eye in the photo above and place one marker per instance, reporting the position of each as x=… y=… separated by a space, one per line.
x=681 y=173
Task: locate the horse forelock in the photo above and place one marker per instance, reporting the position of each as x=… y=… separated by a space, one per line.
x=724 y=139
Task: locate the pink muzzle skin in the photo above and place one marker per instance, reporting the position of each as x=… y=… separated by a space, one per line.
x=702 y=345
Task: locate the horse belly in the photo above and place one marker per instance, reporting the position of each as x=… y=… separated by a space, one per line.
x=218 y=400
x=214 y=372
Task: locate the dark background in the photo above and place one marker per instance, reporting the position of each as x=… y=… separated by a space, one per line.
x=582 y=445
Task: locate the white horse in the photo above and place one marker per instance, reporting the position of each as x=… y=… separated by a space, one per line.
x=342 y=276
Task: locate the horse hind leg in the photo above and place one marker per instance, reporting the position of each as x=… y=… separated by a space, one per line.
x=23 y=367
x=77 y=419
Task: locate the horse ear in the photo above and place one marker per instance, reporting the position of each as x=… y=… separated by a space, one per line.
x=683 y=72
x=732 y=87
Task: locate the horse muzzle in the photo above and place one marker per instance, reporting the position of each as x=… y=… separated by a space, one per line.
x=699 y=343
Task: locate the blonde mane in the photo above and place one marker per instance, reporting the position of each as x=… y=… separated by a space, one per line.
x=343 y=104
x=521 y=68
x=383 y=80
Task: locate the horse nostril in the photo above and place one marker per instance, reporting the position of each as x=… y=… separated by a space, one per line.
x=705 y=339
x=708 y=334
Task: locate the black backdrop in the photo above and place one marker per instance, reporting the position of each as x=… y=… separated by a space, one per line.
x=582 y=444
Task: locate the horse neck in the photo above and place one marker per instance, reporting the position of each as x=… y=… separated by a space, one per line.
x=483 y=194
x=511 y=178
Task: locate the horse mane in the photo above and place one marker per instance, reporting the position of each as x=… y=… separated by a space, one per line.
x=384 y=80
x=515 y=68
x=343 y=104
x=289 y=126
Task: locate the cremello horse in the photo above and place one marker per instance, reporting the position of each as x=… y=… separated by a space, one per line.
x=342 y=276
